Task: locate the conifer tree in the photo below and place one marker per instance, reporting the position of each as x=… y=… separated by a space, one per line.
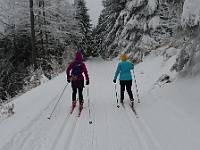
x=106 y=22
x=85 y=28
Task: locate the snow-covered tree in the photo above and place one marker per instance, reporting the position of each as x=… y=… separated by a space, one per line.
x=85 y=27
x=106 y=22
x=139 y=26
x=55 y=30
x=138 y=23
x=188 y=32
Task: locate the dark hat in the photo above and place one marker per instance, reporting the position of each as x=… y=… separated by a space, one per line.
x=79 y=55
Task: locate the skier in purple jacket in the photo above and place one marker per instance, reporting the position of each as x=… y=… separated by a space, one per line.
x=74 y=75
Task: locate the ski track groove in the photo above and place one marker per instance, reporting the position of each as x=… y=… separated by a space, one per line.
x=86 y=135
x=103 y=109
x=19 y=142
x=110 y=77
x=93 y=120
x=135 y=126
x=141 y=130
x=71 y=133
x=60 y=131
x=71 y=140
x=121 y=146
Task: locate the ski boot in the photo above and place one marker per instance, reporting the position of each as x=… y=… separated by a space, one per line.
x=81 y=105
x=73 y=103
x=132 y=102
x=122 y=102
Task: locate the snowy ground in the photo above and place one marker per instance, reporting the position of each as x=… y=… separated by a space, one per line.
x=168 y=113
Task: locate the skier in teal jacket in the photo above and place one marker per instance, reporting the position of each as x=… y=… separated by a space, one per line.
x=124 y=69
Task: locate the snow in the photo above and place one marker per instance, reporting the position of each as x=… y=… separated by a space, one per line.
x=168 y=113
x=154 y=22
x=191 y=13
x=171 y=52
x=133 y=4
x=152 y=6
x=44 y=79
x=95 y=7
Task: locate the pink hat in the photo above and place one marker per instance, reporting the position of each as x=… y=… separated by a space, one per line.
x=79 y=55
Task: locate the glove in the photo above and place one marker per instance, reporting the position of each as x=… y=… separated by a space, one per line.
x=87 y=82
x=68 y=80
x=114 y=81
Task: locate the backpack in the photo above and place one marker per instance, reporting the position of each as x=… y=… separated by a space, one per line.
x=76 y=68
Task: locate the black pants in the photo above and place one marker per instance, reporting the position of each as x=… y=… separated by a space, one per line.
x=128 y=85
x=77 y=85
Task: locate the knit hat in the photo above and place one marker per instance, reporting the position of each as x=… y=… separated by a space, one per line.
x=123 y=57
x=79 y=55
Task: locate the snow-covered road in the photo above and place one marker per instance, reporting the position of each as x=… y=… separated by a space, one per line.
x=164 y=122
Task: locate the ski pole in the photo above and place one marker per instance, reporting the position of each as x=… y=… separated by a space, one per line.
x=116 y=96
x=57 y=102
x=136 y=87
x=90 y=122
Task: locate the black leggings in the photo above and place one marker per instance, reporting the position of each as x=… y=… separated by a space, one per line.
x=128 y=85
x=77 y=85
x=80 y=94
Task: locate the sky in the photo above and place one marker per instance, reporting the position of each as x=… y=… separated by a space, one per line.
x=95 y=7
x=168 y=112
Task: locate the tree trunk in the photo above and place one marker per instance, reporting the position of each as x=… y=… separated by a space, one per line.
x=33 y=35
x=41 y=24
x=46 y=35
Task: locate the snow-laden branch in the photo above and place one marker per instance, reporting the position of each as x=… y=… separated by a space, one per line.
x=191 y=13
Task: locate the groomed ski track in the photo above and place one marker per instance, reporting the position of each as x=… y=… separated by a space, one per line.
x=109 y=123
x=112 y=128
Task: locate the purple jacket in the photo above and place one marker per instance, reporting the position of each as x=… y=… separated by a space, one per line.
x=83 y=68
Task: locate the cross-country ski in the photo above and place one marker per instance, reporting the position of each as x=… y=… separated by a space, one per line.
x=79 y=112
x=72 y=109
x=134 y=111
x=73 y=106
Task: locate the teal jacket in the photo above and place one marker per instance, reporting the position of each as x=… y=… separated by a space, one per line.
x=124 y=69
